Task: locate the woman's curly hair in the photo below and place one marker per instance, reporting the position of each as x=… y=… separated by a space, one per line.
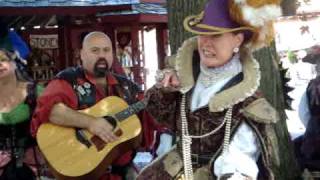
x=21 y=68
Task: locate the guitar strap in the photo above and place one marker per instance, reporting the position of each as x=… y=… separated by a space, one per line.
x=126 y=89
x=123 y=93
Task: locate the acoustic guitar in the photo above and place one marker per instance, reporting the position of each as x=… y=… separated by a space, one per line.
x=77 y=154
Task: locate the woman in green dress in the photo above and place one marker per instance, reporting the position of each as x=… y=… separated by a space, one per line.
x=19 y=157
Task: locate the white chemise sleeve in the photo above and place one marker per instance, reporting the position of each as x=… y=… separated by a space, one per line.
x=244 y=151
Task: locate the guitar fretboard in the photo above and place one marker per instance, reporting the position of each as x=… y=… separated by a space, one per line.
x=132 y=109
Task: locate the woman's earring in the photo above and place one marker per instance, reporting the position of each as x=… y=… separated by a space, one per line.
x=236 y=50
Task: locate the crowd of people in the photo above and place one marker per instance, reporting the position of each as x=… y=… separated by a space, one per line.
x=205 y=118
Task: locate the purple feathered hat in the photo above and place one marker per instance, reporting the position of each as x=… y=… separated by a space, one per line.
x=223 y=16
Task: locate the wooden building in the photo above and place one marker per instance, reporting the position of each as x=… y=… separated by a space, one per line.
x=54 y=30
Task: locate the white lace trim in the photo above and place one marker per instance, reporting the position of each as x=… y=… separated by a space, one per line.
x=209 y=76
x=248 y=93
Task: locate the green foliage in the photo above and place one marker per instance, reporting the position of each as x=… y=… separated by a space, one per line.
x=292 y=57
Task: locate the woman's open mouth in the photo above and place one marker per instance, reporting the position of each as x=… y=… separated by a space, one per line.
x=208 y=54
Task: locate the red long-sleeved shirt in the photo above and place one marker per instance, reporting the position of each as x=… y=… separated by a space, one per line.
x=60 y=91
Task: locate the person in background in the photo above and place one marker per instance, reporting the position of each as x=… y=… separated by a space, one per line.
x=11 y=41
x=307 y=146
x=209 y=96
x=80 y=87
x=19 y=156
x=313 y=57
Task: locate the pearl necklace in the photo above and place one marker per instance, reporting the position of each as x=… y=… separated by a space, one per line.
x=187 y=138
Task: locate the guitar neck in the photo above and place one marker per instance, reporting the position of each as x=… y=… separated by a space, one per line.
x=132 y=109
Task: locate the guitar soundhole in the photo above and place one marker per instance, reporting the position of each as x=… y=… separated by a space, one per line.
x=111 y=120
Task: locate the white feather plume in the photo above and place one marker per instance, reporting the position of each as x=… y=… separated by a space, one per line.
x=258 y=16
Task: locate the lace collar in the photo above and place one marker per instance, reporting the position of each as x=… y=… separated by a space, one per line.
x=210 y=76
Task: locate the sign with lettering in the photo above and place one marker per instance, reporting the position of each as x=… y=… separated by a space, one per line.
x=44 y=41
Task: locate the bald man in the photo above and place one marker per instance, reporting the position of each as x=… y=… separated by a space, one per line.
x=81 y=87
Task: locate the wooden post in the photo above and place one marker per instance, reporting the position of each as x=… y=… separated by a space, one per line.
x=162 y=37
x=110 y=31
x=136 y=57
x=65 y=55
x=135 y=45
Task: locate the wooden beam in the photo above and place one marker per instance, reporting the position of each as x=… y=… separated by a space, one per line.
x=74 y=10
x=153 y=18
x=135 y=18
x=42 y=31
x=120 y=18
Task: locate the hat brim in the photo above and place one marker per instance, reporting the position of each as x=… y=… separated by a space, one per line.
x=193 y=25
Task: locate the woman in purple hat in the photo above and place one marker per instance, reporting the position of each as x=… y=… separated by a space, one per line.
x=210 y=97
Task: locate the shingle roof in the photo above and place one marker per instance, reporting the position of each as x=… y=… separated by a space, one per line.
x=46 y=3
x=142 y=8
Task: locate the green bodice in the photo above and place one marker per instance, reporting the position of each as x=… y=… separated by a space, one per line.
x=19 y=114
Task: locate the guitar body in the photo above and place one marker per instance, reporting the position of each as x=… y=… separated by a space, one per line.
x=71 y=159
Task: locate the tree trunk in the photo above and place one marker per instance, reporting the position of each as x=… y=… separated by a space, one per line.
x=178 y=10
x=270 y=84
